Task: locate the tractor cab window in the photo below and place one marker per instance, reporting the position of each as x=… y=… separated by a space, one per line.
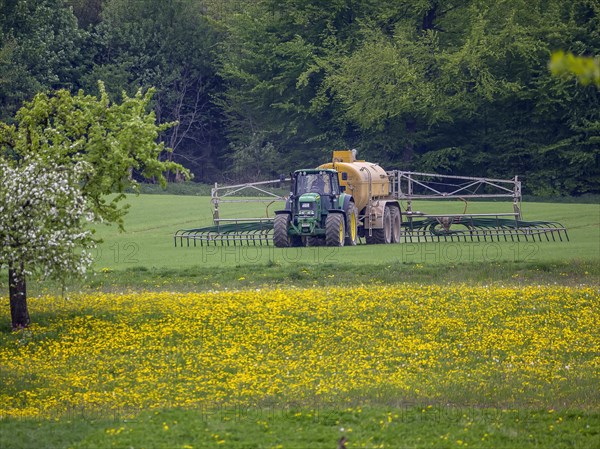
x=314 y=183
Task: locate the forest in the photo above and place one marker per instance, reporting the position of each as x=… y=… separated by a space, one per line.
x=263 y=87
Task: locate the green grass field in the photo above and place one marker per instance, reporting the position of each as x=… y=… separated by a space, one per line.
x=406 y=426
x=153 y=219
x=144 y=258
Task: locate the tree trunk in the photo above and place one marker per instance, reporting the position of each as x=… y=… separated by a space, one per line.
x=18 y=298
x=429 y=18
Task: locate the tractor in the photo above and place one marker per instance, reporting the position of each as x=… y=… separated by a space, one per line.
x=318 y=212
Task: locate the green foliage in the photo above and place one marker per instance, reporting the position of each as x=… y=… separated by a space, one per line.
x=117 y=140
x=405 y=82
x=41 y=49
x=86 y=11
x=255 y=161
x=272 y=65
x=58 y=162
x=402 y=81
x=586 y=69
x=168 y=46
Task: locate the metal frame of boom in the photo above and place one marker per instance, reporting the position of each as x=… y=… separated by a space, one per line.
x=418 y=226
x=236 y=231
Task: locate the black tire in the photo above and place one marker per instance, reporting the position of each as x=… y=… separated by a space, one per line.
x=281 y=224
x=296 y=241
x=315 y=241
x=396 y=225
x=384 y=235
x=335 y=230
x=351 y=225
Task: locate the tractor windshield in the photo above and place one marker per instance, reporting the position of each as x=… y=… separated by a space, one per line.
x=313 y=183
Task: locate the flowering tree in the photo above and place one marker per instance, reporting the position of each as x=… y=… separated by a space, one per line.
x=42 y=226
x=60 y=162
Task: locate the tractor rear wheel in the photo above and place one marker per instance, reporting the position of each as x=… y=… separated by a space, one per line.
x=335 y=231
x=281 y=224
x=384 y=235
x=351 y=225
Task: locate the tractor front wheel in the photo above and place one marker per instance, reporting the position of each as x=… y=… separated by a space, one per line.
x=281 y=224
x=335 y=230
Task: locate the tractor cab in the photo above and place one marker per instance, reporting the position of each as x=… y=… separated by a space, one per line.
x=311 y=186
x=323 y=182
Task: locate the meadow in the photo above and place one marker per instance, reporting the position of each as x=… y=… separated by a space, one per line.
x=486 y=357
x=153 y=219
x=493 y=344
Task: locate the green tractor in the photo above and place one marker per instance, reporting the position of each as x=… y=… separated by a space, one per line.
x=318 y=212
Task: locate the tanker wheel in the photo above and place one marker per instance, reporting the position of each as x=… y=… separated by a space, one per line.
x=335 y=231
x=396 y=225
x=351 y=225
x=281 y=224
x=384 y=235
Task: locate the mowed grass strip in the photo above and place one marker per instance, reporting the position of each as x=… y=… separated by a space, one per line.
x=529 y=347
x=153 y=219
x=318 y=426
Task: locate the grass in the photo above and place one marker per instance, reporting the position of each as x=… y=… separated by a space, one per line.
x=397 y=427
x=153 y=219
x=444 y=366
x=305 y=274
x=145 y=259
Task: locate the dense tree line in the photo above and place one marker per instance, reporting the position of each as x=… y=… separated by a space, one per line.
x=260 y=87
